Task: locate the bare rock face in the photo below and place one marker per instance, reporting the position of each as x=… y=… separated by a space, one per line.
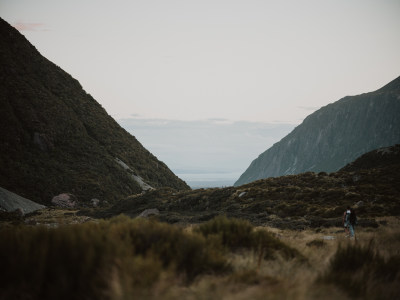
x=11 y=202
x=65 y=200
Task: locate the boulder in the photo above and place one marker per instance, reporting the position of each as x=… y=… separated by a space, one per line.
x=359 y=204
x=95 y=202
x=149 y=212
x=65 y=200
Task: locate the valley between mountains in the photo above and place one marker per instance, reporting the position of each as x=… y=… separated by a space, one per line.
x=86 y=212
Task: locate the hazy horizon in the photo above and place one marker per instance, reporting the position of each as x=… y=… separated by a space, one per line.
x=205 y=153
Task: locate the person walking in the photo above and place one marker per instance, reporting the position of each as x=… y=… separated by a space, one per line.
x=346 y=220
x=352 y=222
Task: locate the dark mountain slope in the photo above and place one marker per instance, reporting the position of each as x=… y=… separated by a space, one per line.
x=333 y=136
x=56 y=138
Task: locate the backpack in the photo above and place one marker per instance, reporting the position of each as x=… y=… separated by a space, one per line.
x=353 y=218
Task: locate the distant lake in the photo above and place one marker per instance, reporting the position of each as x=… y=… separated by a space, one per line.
x=199 y=180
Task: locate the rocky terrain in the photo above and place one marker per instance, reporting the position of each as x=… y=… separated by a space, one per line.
x=333 y=136
x=55 y=138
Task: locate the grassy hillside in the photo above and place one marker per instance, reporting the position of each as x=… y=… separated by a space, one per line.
x=294 y=201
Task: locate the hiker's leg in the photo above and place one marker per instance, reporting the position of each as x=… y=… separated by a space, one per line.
x=351 y=228
x=346 y=228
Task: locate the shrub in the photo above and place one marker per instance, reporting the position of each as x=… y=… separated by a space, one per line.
x=234 y=233
x=188 y=253
x=240 y=234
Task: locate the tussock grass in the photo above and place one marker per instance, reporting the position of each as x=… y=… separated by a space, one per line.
x=361 y=271
x=223 y=258
x=316 y=243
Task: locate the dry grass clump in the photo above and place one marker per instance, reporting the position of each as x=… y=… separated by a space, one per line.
x=316 y=243
x=361 y=271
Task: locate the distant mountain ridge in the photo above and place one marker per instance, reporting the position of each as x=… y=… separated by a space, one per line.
x=333 y=136
x=56 y=138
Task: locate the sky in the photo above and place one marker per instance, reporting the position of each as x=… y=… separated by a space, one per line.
x=190 y=63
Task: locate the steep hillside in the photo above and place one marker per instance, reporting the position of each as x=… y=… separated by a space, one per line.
x=56 y=138
x=333 y=136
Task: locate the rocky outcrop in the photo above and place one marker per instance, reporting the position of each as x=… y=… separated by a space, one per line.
x=10 y=201
x=139 y=180
x=333 y=136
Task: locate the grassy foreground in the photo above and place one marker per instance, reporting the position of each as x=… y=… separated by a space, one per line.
x=223 y=258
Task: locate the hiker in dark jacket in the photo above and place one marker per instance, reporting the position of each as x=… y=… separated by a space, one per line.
x=346 y=220
x=352 y=222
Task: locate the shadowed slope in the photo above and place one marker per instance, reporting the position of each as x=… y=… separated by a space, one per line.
x=56 y=138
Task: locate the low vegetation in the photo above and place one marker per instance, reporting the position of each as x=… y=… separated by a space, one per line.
x=302 y=201
x=118 y=256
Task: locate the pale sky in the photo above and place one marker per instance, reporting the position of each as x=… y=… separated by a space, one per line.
x=241 y=60
x=272 y=62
